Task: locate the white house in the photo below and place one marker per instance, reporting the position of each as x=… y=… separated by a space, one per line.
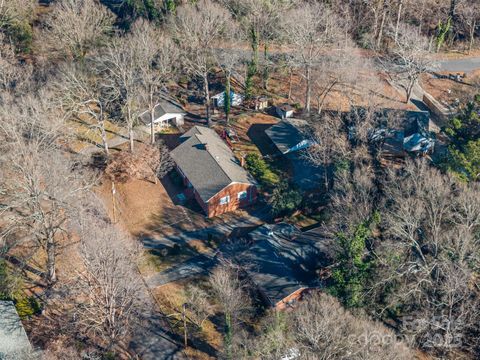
x=166 y=113
x=219 y=99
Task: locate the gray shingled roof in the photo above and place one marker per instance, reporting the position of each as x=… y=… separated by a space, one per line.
x=287 y=134
x=163 y=107
x=280 y=261
x=13 y=339
x=207 y=162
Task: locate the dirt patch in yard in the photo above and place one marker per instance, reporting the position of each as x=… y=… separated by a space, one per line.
x=379 y=92
x=138 y=203
x=447 y=91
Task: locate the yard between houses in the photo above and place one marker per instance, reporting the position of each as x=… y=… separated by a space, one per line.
x=87 y=134
x=447 y=91
x=171 y=298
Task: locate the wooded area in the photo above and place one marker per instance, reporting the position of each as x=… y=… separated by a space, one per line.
x=400 y=279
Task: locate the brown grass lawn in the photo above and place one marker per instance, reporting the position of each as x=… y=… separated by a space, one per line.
x=142 y=206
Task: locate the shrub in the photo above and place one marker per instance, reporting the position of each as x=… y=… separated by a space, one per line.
x=9 y=283
x=260 y=170
x=21 y=34
x=285 y=199
x=27 y=306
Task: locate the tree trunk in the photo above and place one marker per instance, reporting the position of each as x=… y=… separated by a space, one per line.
x=152 y=126
x=325 y=175
x=207 y=97
x=130 y=136
x=472 y=34
x=382 y=25
x=410 y=86
x=103 y=135
x=266 y=73
x=308 y=89
x=130 y=129
x=290 y=79
x=399 y=15
x=227 y=100
x=254 y=38
x=51 y=271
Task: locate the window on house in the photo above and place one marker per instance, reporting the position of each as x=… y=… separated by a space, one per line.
x=242 y=195
x=225 y=200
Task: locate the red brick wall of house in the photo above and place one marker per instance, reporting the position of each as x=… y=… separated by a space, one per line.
x=215 y=208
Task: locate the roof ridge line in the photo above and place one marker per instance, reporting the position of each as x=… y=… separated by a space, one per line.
x=213 y=157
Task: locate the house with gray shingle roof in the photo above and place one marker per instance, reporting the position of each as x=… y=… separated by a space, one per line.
x=14 y=343
x=281 y=262
x=212 y=173
x=290 y=135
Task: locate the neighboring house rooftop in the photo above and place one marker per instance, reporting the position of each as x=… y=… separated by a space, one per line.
x=288 y=135
x=280 y=261
x=13 y=339
x=207 y=162
x=163 y=107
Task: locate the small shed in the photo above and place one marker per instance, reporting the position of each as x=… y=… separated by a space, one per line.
x=14 y=343
x=284 y=110
x=260 y=102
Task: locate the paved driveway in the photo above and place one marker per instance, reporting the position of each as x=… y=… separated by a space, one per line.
x=198 y=265
x=460 y=65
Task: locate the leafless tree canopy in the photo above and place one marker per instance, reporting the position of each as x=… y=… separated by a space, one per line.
x=320 y=328
x=109 y=282
x=92 y=21
x=409 y=58
x=310 y=28
x=198 y=28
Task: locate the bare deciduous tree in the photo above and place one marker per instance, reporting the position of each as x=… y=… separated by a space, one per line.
x=80 y=94
x=431 y=250
x=109 y=282
x=230 y=292
x=42 y=187
x=339 y=68
x=157 y=56
x=121 y=79
x=469 y=12
x=409 y=58
x=331 y=144
x=310 y=28
x=75 y=26
x=228 y=59
x=197 y=29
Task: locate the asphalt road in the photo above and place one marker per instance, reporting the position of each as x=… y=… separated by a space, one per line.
x=460 y=65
